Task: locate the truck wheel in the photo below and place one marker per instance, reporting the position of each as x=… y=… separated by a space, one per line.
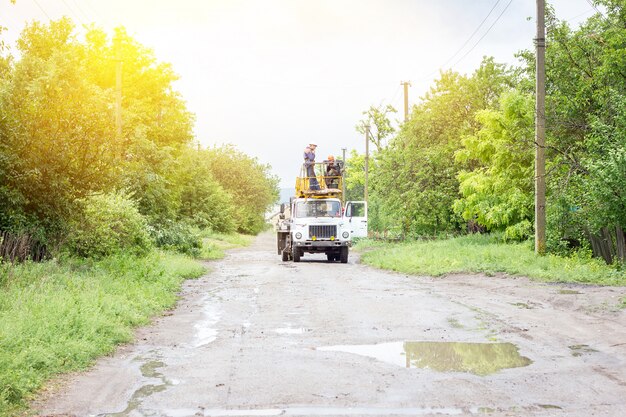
x=285 y=256
x=295 y=253
x=330 y=257
x=343 y=256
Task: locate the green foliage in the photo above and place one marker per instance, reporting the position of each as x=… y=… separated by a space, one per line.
x=214 y=244
x=59 y=144
x=380 y=125
x=204 y=201
x=586 y=121
x=81 y=310
x=252 y=188
x=108 y=224
x=416 y=181
x=498 y=191
x=179 y=237
x=487 y=254
x=354 y=176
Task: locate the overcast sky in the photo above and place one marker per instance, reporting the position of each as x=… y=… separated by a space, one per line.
x=271 y=76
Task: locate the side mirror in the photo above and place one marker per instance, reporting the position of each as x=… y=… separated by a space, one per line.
x=282 y=208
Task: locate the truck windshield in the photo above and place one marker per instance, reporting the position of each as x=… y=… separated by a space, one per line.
x=313 y=208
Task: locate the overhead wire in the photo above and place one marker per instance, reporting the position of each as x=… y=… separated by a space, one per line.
x=42 y=9
x=472 y=35
x=82 y=12
x=485 y=34
x=480 y=25
x=74 y=15
x=579 y=15
x=592 y=4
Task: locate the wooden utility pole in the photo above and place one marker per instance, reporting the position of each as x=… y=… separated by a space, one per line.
x=406 y=85
x=540 y=132
x=367 y=158
x=343 y=182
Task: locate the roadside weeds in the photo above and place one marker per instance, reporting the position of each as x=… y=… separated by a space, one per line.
x=481 y=254
x=59 y=316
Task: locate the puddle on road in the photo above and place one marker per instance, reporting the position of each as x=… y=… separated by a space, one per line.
x=205 y=328
x=476 y=358
x=579 y=350
x=289 y=330
x=522 y=305
x=148 y=370
x=550 y=407
x=569 y=292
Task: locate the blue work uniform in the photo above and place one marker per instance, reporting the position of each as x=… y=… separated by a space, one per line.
x=309 y=163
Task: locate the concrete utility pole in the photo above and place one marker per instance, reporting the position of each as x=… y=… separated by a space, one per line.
x=343 y=182
x=406 y=85
x=367 y=158
x=540 y=132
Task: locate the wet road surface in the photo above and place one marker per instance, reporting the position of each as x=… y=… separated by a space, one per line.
x=261 y=337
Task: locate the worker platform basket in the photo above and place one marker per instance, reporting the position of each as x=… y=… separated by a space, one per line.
x=319 y=185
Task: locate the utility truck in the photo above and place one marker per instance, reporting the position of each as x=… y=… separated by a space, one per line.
x=317 y=220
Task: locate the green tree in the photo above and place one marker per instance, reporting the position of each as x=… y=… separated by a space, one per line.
x=58 y=127
x=498 y=191
x=586 y=90
x=380 y=125
x=252 y=187
x=417 y=177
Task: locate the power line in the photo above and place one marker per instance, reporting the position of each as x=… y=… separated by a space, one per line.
x=465 y=43
x=485 y=34
x=596 y=9
x=472 y=35
x=81 y=11
x=579 y=15
x=41 y=8
x=73 y=13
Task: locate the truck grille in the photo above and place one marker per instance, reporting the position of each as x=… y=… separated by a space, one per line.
x=322 y=232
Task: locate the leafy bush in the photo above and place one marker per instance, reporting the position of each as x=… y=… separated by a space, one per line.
x=178 y=236
x=108 y=224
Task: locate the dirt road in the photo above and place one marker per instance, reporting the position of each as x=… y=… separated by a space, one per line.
x=260 y=337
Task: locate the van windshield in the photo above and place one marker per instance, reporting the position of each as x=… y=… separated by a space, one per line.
x=313 y=208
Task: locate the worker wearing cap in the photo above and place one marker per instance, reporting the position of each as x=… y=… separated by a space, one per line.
x=309 y=163
x=332 y=172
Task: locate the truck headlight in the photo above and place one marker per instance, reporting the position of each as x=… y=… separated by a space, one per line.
x=345 y=235
x=298 y=235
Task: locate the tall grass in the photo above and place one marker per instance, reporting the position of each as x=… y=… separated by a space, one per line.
x=481 y=253
x=214 y=244
x=58 y=316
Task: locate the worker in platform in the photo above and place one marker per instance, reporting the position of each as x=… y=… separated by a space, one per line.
x=309 y=163
x=333 y=172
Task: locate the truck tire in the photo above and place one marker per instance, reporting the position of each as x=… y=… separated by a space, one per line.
x=295 y=253
x=330 y=257
x=285 y=255
x=343 y=256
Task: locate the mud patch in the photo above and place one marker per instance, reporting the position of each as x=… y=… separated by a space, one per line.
x=476 y=358
x=580 y=350
x=455 y=323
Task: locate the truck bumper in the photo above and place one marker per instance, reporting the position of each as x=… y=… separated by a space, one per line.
x=321 y=245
